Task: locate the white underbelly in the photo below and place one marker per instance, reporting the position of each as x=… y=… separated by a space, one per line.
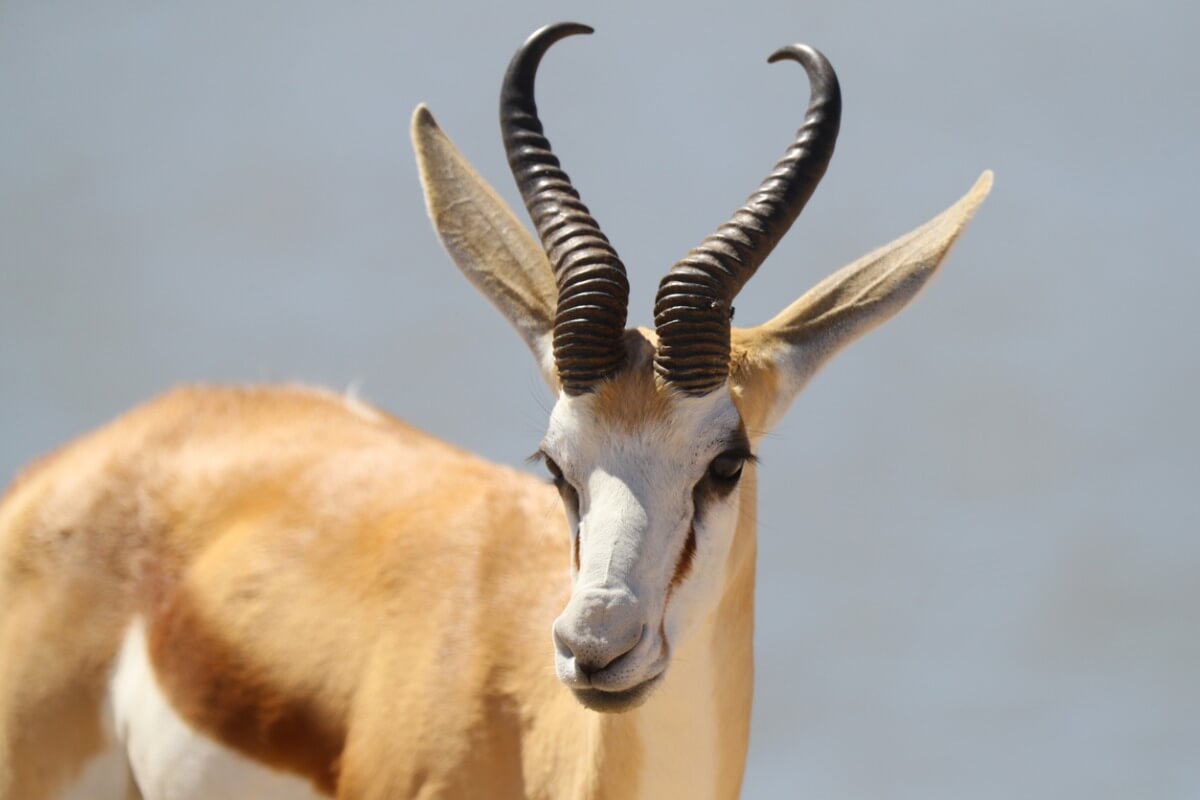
x=169 y=759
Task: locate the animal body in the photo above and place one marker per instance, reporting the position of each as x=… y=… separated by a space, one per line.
x=279 y=592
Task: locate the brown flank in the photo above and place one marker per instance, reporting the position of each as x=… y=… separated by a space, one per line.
x=221 y=693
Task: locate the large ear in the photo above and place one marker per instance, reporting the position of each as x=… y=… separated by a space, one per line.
x=486 y=240
x=772 y=362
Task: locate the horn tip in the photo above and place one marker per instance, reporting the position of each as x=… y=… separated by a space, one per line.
x=803 y=53
x=560 y=29
x=820 y=72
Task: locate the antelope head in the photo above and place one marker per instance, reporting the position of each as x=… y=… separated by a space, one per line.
x=651 y=438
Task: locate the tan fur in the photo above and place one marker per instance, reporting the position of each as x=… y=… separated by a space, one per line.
x=348 y=600
x=754 y=379
x=232 y=698
x=65 y=593
x=638 y=399
x=734 y=652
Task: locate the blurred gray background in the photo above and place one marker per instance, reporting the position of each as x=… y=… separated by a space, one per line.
x=979 y=549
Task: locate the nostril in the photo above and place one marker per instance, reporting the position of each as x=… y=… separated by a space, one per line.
x=595 y=656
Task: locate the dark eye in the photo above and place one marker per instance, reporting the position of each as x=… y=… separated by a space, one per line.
x=726 y=468
x=556 y=474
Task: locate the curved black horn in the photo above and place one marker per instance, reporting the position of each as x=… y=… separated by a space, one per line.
x=593 y=291
x=692 y=311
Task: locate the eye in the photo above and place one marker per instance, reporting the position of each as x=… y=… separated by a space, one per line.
x=556 y=473
x=727 y=467
x=569 y=496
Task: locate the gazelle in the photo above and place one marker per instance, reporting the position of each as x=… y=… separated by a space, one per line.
x=258 y=593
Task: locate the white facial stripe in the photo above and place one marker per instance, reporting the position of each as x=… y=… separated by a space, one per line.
x=637 y=482
x=610 y=559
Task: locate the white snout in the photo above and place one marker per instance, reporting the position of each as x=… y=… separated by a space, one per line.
x=604 y=641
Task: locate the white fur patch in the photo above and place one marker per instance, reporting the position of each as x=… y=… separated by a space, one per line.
x=169 y=759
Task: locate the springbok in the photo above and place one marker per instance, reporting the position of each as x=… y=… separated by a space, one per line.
x=260 y=593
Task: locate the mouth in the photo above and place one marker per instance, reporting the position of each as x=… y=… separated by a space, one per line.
x=617 y=702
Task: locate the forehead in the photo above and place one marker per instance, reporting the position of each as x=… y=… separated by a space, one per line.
x=635 y=405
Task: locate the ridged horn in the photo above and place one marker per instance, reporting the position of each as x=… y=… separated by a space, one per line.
x=693 y=308
x=593 y=290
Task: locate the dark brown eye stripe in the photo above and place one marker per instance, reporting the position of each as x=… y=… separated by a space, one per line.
x=684 y=565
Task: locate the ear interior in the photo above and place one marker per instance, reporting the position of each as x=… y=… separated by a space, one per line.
x=486 y=240
x=773 y=361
